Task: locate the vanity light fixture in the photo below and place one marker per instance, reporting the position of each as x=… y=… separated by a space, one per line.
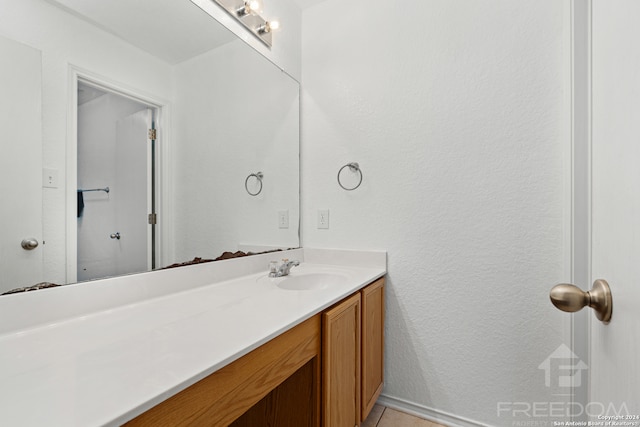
x=247 y=8
x=247 y=13
x=268 y=27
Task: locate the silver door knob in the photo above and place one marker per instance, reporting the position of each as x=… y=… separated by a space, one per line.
x=115 y=235
x=29 y=243
x=570 y=298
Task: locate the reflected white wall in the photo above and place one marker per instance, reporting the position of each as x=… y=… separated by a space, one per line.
x=237 y=110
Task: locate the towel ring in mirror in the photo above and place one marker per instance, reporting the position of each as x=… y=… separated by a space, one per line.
x=258 y=176
x=353 y=167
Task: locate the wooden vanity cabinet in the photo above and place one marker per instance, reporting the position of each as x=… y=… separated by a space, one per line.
x=341 y=363
x=372 y=345
x=352 y=356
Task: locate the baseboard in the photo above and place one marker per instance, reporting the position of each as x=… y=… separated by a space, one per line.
x=440 y=417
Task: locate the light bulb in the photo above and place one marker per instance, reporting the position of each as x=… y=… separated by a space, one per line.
x=252 y=6
x=273 y=25
x=248 y=8
x=269 y=26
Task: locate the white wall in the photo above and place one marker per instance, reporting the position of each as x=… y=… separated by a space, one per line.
x=457 y=113
x=260 y=132
x=57 y=35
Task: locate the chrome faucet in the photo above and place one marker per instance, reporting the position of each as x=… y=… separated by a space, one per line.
x=284 y=268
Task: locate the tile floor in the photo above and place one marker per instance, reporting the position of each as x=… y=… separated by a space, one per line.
x=381 y=416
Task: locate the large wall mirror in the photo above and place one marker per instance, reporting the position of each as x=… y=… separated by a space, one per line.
x=136 y=135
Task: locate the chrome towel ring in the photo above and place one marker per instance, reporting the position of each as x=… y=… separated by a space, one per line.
x=258 y=176
x=105 y=189
x=353 y=167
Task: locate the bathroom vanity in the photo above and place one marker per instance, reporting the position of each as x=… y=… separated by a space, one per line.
x=326 y=365
x=212 y=344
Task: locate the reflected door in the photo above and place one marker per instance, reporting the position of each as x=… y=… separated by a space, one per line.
x=134 y=178
x=615 y=348
x=114 y=152
x=21 y=181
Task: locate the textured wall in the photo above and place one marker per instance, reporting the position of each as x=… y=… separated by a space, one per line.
x=457 y=113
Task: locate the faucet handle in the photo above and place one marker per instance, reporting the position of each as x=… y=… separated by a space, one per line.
x=273 y=267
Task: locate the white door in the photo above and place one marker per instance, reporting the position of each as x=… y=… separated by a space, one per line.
x=114 y=235
x=21 y=176
x=615 y=348
x=133 y=179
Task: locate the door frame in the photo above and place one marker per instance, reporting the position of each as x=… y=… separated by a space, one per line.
x=613 y=373
x=581 y=182
x=163 y=168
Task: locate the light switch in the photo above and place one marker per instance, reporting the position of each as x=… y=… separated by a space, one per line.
x=283 y=219
x=323 y=218
x=50 y=178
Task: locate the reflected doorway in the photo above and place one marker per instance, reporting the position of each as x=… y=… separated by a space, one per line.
x=115 y=183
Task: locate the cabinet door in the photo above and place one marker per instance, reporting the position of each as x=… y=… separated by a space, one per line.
x=341 y=364
x=372 y=344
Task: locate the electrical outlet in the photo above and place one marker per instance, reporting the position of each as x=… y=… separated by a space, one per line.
x=323 y=218
x=283 y=219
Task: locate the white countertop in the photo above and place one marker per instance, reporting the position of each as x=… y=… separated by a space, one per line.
x=107 y=367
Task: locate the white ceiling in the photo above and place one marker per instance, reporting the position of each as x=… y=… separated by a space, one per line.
x=168 y=29
x=88 y=93
x=307 y=3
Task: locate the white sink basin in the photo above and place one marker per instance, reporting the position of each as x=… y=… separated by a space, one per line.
x=309 y=281
x=312 y=281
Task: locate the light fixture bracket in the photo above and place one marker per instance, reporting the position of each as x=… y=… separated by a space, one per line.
x=251 y=20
